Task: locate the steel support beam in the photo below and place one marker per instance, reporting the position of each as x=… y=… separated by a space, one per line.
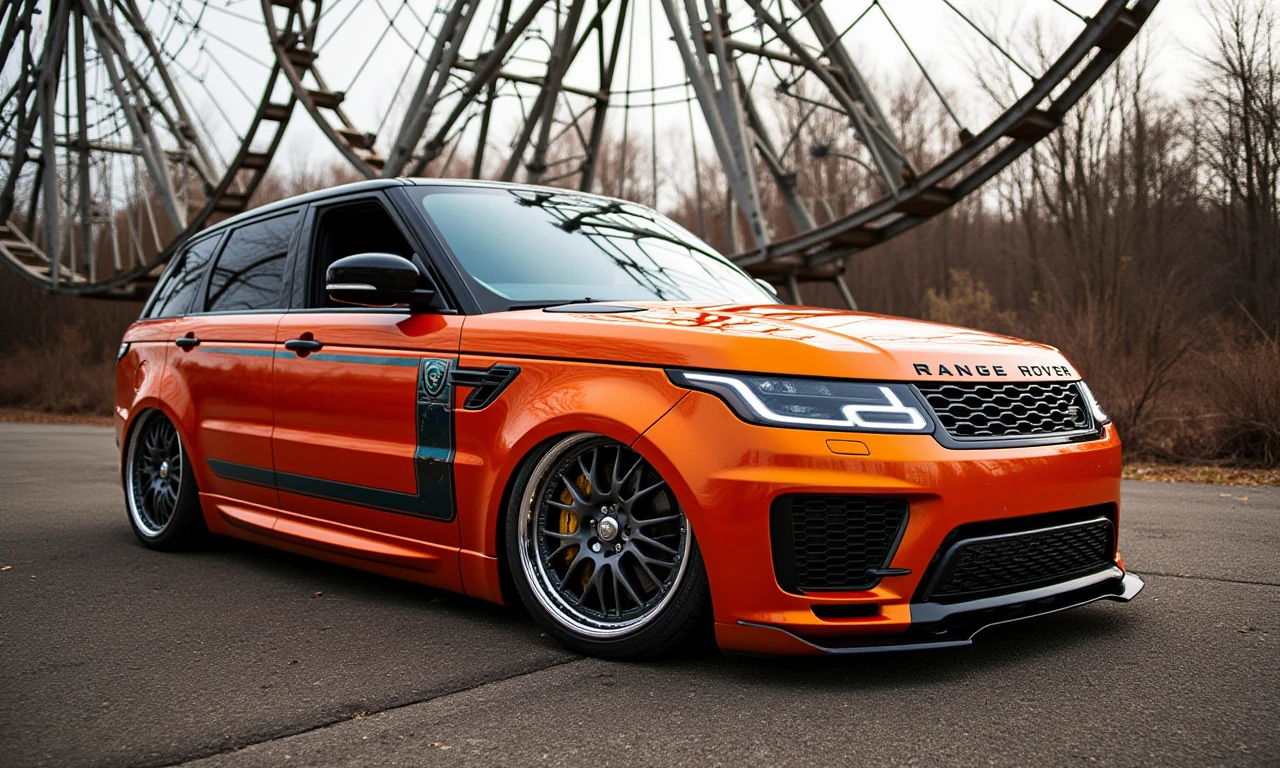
x=491 y=92
x=891 y=179
x=873 y=128
x=607 y=68
x=427 y=93
x=721 y=109
x=106 y=36
x=182 y=124
x=484 y=75
x=561 y=56
x=46 y=98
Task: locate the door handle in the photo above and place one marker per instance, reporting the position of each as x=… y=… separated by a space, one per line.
x=187 y=342
x=303 y=346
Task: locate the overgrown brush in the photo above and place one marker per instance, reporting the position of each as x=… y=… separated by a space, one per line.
x=63 y=377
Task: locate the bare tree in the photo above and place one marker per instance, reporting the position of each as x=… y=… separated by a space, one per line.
x=1239 y=113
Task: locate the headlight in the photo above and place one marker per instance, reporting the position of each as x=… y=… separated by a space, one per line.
x=852 y=406
x=1099 y=415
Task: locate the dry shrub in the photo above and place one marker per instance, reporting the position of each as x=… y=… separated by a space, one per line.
x=1240 y=387
x=1131 y=359
x=968 y=303
x=63 y=377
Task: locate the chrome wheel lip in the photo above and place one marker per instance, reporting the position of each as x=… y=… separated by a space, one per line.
x=141 y=519
x=540 y=582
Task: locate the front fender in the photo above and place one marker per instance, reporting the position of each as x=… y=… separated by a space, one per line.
x=547 y=399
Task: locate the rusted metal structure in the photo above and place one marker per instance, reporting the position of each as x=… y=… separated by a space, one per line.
x=758 y=92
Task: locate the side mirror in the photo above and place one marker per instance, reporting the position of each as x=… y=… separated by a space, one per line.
x=377 y=280
x=768 y=286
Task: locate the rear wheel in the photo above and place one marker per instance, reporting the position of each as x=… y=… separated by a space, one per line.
x=601 y=552
x=160 y=492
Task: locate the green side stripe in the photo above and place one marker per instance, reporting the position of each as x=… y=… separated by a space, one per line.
x=242 y=351
x=432 y=458
x=321 y=357
x=335 y=357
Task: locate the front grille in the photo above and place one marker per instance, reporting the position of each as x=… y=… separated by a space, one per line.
x=1013 y=410
x=833 y=542
x=1013 y=562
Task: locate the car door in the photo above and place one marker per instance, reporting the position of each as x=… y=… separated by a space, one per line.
x=363 y=431
x=218 y=378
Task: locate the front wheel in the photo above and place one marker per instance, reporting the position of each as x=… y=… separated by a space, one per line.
x=601 y=552
x=159 y=489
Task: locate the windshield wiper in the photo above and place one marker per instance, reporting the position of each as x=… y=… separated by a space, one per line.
x=515 y=305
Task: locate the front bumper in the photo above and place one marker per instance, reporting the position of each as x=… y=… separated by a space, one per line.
x=727 y=473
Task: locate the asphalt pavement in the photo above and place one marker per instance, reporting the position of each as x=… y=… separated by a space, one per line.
x=244 y=656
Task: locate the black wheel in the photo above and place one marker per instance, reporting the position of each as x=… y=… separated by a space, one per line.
x=159 y=490
x=601 y=552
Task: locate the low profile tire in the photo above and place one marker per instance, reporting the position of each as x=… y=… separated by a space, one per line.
x=601 y=552
x=159 y=489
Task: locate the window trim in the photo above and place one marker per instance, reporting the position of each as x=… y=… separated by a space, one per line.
x=281 y=297
x=300 y=300
x=168 y=273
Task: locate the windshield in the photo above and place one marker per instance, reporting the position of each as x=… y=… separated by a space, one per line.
x=529 y=247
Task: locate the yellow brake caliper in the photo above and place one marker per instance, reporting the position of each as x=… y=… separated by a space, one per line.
x=569 y=524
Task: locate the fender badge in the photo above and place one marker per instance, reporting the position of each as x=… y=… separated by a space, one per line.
x=434 y=376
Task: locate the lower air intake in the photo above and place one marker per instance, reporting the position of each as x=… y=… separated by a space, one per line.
x=834 y=542
x=1013 y=562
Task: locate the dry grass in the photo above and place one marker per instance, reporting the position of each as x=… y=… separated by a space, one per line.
x=26 y=416
x=66 y=377
x=1181 y=473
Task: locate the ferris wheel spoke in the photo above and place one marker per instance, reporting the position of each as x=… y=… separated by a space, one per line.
x=109 y=164
x=543 y=110
x=721 y=110
x=143 y=129
x=181 y=120
x=434 y=78
x=886 y=155
x=483 y=74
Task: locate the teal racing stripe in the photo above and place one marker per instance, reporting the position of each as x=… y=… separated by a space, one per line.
x=321 y=357
x=433 y=456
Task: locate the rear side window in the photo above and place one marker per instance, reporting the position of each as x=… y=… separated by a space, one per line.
x=249 y=274
x=182 y=280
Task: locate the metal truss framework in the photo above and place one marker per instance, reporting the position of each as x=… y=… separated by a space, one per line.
x=543 y=91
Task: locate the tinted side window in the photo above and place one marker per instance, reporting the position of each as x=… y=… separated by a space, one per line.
x=182 y=280
x=250 y=272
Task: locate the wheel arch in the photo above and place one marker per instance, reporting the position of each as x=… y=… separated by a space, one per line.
x=496 y=534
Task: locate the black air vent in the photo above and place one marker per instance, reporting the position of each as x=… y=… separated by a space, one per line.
x=834 y=542
x=487 y=383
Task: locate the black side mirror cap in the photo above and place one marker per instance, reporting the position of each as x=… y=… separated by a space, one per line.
x=378 y=280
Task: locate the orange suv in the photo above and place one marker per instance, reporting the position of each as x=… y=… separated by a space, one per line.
x=541 y=396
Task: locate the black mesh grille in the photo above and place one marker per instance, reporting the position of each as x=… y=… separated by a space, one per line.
x=830 y=542
x=1015 y=562
x=1026 y=409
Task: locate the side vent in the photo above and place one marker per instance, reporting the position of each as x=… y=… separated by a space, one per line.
x=486 y=384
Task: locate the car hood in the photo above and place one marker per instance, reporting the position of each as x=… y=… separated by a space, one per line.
x=769 y=338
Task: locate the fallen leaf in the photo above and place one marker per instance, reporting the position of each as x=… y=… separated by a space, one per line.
x=5 y=567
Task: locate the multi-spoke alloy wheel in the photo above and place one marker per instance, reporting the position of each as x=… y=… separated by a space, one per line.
x=604 y=548
x=161 y=498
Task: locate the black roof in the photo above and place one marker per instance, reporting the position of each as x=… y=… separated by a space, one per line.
x=373 y=184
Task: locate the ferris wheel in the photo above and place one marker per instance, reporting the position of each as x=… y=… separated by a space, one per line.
x=781 y=123
x=126 y=126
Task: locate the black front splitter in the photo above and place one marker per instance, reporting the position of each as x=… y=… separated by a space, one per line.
x=954 y=625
